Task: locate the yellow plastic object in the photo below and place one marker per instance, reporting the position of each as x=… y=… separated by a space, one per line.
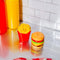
x=12 y=7
x=24 y=28
x=13 y=40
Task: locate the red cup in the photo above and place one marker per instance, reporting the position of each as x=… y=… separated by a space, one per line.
x=23 y=37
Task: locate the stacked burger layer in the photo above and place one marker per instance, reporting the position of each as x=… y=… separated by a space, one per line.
x=37 y=42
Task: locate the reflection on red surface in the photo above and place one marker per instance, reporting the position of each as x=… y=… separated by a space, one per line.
x=38 y=58
x=20 y=59
x=48 y=59
x=4 y=45
x=24 y=46
x=33 y=59
x=42 y=59
x=13 y=40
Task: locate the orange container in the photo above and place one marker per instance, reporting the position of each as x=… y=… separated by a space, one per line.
x=12 y=7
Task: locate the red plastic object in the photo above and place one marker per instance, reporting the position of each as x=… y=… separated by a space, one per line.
x=36 y=59
x=3 y=26
x=23 y=37
x=20 y=59
x=49 y=59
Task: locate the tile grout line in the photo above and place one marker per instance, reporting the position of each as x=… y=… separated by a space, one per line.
x=45 y=27
x=49 y=16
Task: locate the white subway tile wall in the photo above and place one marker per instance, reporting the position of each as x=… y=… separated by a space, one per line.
x=25 y=2
x=53 y=17
x=57 y=35
x=45 y=0
x=31 y=19
x=58 y=26
x=56 y=1
x=42 y=12
x=28 y=11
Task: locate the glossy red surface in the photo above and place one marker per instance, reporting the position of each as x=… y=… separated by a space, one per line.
x=3 y=26
x=36 y=59
x=24 y=37
x=20 y=59
x=49 y=59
